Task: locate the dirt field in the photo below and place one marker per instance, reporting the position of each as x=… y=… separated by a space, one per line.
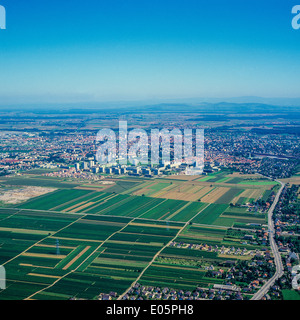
x=82 y=207
x=19 y=195
x=76 y=258
x=43 y=275
x=214 y=195
x=292 y=180
x=244 y=176
x=187 y=192
x=144 y=190
x=43 y=255
x=184 y=177
x=155 y=226
x=248 y=193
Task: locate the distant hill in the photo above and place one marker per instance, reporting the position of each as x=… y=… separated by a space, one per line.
x=214 y=105
x=222 y=107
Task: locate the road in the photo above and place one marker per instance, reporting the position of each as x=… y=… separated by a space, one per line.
x=277 y=258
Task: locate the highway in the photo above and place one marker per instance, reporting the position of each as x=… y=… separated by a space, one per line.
x=277 y=258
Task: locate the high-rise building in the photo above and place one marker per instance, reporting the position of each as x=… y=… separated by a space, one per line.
x=95 y=169
x=91 y=163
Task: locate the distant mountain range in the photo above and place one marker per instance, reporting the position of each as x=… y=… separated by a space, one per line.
x=224 y=107
x=238 y=104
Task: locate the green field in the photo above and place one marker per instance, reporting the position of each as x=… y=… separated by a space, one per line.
x=198 y=234
x=229 y=195
x=258 y=182
x=157 y=187
x=123 y=186
x=290 y=295
x=38 y=181
x=107 y=238
x=189 y=212
x=210 y=213
x=173 y=277
x=54 y=199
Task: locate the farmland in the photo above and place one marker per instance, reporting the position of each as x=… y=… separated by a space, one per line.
x=185 y=262
x=81 y=241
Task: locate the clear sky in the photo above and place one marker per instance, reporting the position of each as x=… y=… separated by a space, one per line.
x=71 y=50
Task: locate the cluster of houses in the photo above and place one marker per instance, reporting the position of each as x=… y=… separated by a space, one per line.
x=108 y=296
x=217 y=292
x=285 y=216
x=254 y=272
x=72 y=173
x=278 y=168
x=216 y=248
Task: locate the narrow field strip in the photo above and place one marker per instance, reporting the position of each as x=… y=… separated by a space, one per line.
x=83 y=197
x=42 y=255
x=76 y=258
x=179 y=210
x=43 y=275
x=144 y=213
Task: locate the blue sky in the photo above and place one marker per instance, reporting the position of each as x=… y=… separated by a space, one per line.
x=72 y=51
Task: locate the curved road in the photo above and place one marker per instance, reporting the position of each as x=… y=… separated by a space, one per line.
x=278 y=263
